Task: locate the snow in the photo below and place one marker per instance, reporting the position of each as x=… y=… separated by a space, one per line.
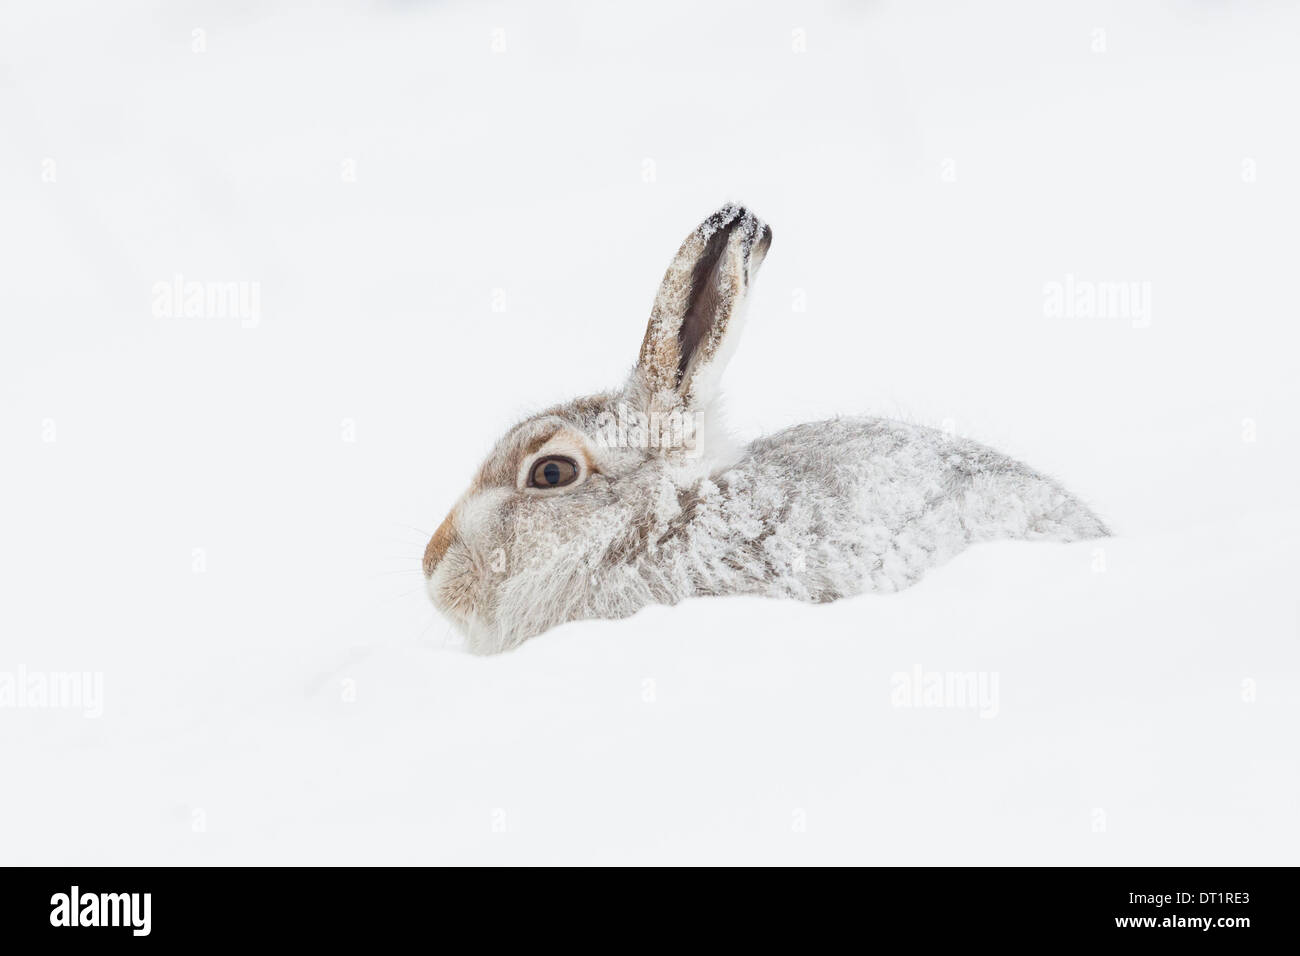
x=228 y=521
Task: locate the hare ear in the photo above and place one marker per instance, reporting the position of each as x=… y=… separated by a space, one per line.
x=697 y=313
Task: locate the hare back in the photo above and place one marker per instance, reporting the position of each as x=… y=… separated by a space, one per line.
x=829 y=509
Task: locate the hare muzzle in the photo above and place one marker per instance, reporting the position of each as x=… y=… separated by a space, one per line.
x=438 y=545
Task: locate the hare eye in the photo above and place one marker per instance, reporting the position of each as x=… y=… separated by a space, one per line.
x=553 y=472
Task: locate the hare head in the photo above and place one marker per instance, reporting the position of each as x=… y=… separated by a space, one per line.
x=563 y=518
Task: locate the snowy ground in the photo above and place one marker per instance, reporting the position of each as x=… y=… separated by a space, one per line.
x=223 y=519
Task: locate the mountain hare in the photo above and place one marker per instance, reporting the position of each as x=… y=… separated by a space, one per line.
x=598 y=507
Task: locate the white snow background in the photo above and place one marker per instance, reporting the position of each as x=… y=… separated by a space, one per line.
x=183 y=514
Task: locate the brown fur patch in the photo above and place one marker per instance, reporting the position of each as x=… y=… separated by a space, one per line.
x=587 y=407
x=536 y=443
x=705 y=321
x=438 y=545
x=501 y=467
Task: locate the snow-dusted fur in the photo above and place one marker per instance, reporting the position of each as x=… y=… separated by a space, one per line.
x=815 y=512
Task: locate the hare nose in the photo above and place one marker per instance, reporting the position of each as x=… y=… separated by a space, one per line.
x=438 y=545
